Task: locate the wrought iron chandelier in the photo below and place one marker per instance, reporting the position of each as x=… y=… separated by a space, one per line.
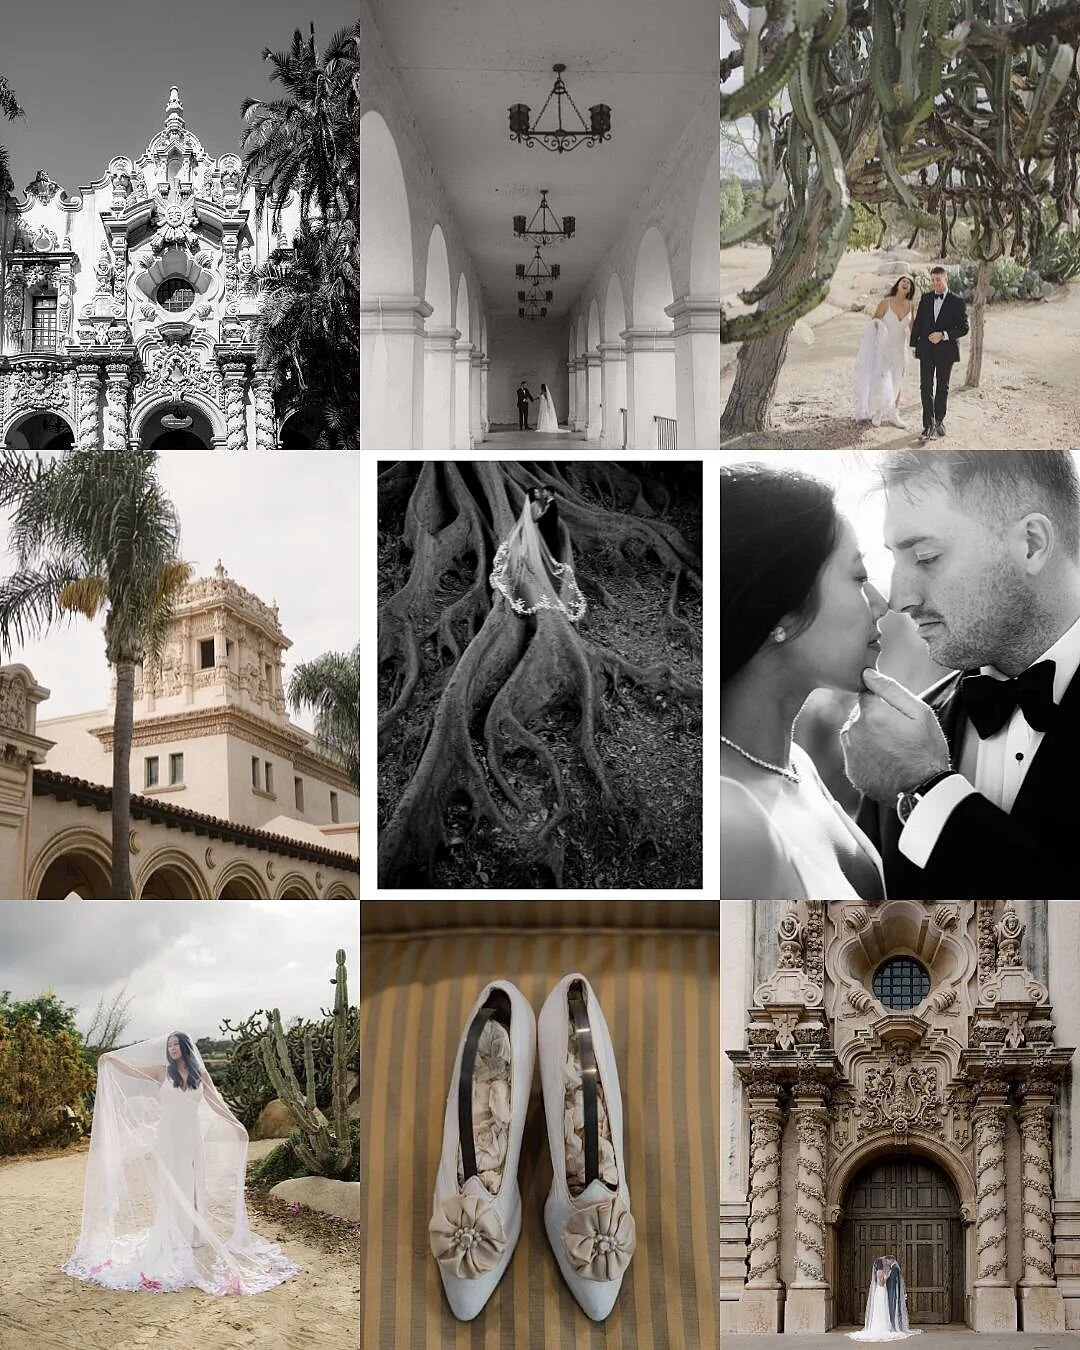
x=534 y=296
x=548 y=230
x=532 y=309
x=537 y=270
x=560 y=138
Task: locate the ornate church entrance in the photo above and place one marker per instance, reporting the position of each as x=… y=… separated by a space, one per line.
x=908 y=1207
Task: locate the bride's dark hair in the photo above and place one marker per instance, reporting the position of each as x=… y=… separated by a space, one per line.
x=896 y=286
x=187 y=1053
x=778 y=529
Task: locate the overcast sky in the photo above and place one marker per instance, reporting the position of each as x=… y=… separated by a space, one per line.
x=285 y=525
x=186 y=965
x=94 y=77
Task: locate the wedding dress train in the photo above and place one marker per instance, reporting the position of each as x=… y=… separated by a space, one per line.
x=879 y=369
x=548 y=420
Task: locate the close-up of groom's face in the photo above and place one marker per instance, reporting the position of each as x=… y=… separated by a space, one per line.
x=954 y=574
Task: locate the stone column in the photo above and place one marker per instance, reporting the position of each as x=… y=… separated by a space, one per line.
x=581 y=366
x=439 y=388
x=462 y=395
x=476 y=432
x=485 y=422
x=808 y=1293
x=571 y=414
x=762 y=1295
x=392 y=371
x=612 y=393
x=993 y=1303
x=234 y=366
x=697 y=367
x=592 y=382
x=87 y=412
x=117 y=388
x=265 y=419
x=1042 y=1307
x=650 y=383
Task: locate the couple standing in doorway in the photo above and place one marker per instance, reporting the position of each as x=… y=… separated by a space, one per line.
x=547 y=420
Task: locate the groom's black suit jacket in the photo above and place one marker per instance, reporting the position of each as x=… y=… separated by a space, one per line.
x=524 y=398
x=952 y=320
x=1031 y=852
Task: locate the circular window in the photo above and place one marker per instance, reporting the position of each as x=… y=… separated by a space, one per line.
x=901 y=982
x=176 y=294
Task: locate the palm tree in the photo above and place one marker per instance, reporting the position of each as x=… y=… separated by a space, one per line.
x=9 y=107
x=330 y=686
x=94 y=532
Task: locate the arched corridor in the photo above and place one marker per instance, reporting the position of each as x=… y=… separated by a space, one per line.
x=615 y=312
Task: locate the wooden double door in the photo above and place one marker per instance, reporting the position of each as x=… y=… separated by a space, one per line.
x=907 y=1207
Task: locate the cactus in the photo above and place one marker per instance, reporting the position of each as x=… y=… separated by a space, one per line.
x=323 y=1147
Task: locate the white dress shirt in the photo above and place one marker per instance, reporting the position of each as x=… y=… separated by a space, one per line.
x=939 y=300
x=995 y=767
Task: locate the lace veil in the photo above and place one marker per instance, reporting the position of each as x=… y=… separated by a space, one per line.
x=163 y=1205
x=528 y=575
x=871 y=377
x=897 y=1293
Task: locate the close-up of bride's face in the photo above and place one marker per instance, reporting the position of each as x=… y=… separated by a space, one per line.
x=843 y=638
x=173 y=1047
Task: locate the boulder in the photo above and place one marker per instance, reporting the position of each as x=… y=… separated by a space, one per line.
x=275 y=1122
x=339 y=1198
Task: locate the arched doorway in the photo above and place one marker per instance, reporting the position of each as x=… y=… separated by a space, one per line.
x=908 y=1206
x=76 y=874
x=40 y=431
x=164 y=429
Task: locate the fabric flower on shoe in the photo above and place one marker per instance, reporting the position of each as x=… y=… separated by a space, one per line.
x=600 y=1240
x=467 y=1236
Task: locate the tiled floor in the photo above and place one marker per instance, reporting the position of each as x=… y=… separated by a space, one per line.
x=532 y=440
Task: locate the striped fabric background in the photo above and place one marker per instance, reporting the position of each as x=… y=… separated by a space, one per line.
x=659 y=988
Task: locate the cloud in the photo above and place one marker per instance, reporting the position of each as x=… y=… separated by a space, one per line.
x=186 y=965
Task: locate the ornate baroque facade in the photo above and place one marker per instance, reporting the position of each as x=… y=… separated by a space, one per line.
x=933 y=1119
x=127 y=312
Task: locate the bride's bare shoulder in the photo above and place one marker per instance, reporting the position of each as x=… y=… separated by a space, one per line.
x=754 y=862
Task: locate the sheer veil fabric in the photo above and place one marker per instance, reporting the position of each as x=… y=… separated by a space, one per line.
x=548 y=419
x=886 y=1305
x=528 y=575
x=163 y=1206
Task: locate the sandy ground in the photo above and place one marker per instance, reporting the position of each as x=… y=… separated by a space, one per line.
x=40 y=1209
x=1028 y=396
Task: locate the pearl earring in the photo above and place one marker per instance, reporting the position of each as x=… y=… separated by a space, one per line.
x=779 y=634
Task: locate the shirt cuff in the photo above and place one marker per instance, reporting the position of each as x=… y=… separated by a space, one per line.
x=924 y=825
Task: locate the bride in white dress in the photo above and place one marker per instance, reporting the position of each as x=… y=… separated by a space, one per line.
x=878 y=374
x=547 y=419
x=886 y=1305
x=797 y=613
x=163 y=1206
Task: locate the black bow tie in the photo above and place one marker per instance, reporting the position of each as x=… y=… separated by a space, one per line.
x=989 y=703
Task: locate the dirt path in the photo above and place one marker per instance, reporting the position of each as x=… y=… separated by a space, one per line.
x=1028 y=397
x=40 y=1209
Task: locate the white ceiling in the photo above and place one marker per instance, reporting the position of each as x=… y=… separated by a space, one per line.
x=462 y=63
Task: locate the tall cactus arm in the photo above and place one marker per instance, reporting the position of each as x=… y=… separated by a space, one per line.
x=1051 y=86
x=762 y=87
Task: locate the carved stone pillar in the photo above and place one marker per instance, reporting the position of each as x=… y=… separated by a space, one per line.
x=87 y=412
x=265 y=421
x=1042 y=1307
x=234 y=370
x=759 y=1306
x=117 y=388
x=807 y=1301
x=993 y=1304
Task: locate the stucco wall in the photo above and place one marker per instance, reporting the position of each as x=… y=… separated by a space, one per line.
x=521 y=347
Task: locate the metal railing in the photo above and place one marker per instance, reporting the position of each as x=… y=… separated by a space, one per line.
x=666 y=433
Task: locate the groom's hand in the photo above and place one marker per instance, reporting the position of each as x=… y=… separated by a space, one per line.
x=936 y=337
x=892 y=741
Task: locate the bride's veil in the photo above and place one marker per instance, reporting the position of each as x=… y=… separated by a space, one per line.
x=870 y=1292
x=163 y=1202
x=529 y=576
x=898 y=1315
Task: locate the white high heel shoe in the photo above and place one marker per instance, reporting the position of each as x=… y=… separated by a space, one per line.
x=587 y=1212
x=476 y=1210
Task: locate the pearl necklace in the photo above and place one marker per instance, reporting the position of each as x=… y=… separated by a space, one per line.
x=791 y=774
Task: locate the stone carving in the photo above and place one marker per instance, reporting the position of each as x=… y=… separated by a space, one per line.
x=858 y=1002
x=235 y=422
x=320 y=881
x=177 y=223
x=990 y=1257
x=175 y=370
x=810 y=1129
x=789 y=935
x=960 y=1098
x=1038 y=1192
x=104 y=270
x=43 y=189
x=134 y=842
x=785 y=1024
x=265 y=422
x=1010 y=933
x=210 y=859
x=943 y=1000
x=13 y=710
x=116 y=406
x=856 y=920
x=764 y=1220
x=14 y=306
x=900 y=1096
x=945 y=917
x=815 y=942
x=987 y=946
x=38 y=385
x=88 y=383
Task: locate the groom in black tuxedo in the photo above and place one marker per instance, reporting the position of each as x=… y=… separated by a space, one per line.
x=940 y=319
x=524 y=398
x=971 y=790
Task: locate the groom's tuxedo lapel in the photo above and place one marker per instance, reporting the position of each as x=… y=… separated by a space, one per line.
x=1041 y=798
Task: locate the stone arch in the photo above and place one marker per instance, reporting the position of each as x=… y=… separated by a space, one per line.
x=297 y=432
x=339 y=891
x=242 y=881
x=437 y=280
x=76 y=861
x=705 y=233
x=918 y=1146
x=386 y=252
x=40 y=429
x=594 y=325
x=582 y=334
x=652 y=291
x=170 y=871
x=462 y=317
x=295 y=886
x=571 y=346
x=148 y=407
x=614 y=310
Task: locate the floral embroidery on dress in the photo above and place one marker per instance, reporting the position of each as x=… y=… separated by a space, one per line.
x=467 y=1236
x=600 y=1239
